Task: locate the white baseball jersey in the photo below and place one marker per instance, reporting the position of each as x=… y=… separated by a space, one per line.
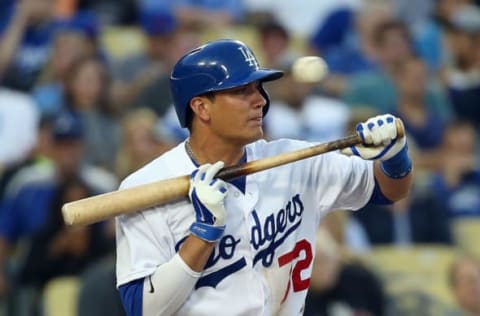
x=263 y=262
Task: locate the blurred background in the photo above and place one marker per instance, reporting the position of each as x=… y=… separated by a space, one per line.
x=84 y=101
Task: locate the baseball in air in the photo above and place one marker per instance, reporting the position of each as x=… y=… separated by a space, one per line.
x=309 y=69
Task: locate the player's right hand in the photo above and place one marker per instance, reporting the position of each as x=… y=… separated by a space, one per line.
x=207 y=195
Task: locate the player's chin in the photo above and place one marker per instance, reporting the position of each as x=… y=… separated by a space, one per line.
x=258 y=134
x=254 y=133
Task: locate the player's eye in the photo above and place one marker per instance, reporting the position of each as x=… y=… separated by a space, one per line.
x=245 y=90
x=241 y=90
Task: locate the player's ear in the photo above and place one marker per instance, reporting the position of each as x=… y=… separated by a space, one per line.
x=201 y=108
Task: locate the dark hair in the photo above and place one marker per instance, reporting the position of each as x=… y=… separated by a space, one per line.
x=273 y=27
x=103 y=102
x=381 y=30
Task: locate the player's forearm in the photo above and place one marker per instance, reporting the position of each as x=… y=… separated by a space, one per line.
x=195 y=252
x=393 y=189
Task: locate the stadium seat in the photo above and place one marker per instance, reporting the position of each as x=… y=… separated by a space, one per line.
x=60 y=296
x=121 y=42
x=420 y=269
x=466 y=232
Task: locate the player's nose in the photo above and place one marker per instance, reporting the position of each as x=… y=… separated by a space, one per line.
x=259 y=99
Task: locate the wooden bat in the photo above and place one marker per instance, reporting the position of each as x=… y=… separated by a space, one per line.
x=104 y=206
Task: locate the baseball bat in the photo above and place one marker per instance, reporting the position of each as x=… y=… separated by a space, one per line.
x=126 y=201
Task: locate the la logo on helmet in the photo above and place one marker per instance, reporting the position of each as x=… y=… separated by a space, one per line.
x=249 y=58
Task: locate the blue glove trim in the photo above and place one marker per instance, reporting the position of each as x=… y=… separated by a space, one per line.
x=384 y=151
x=207 y=232
x=359 y=129
x=355 y=151
x=399 y=165
x=202 y=213
x=379 y=155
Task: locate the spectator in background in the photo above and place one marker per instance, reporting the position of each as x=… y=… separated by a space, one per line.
x=337 y=41
x=57 y=250
x=413 y=15
x=156 y=95
x=341 y=288
x=274 y=43
x=300 y=18
x=424 y=124
x=29 y=169
x=140 y=141
x=377 y=88
x=418 y=219
x=199 y=13
x=87 y=92
x=427 y=28
x=25 y=207
x=25 y=42
x=345 y=40
x=464 y=279
x=110 y=12
x=69 y=46
x=133 y=75
x=463 y=75
x=457 y=180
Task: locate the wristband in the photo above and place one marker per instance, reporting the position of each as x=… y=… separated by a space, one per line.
x=398 y=166
x=207 y=232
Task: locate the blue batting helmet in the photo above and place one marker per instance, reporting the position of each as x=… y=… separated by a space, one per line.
x=215 y=66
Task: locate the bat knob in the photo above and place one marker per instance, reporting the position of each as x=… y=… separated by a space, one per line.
x=400 y=128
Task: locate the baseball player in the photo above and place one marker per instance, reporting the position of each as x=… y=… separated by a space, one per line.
x=243 y=247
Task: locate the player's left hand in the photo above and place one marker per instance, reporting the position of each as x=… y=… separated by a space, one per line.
x=379 y=136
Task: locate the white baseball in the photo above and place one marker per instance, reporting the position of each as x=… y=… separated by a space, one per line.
x=309 y=69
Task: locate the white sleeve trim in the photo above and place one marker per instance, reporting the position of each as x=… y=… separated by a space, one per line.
x=168 y=287
x=186 y=267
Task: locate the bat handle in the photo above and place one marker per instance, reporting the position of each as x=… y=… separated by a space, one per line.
x=400 y=128
x=232 y=172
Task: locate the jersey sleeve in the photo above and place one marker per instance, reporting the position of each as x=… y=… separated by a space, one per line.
x=337 y=181
x=143 y=240
x=141 y=248
x=343 y=182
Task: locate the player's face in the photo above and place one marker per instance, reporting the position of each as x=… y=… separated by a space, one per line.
x=237 y=114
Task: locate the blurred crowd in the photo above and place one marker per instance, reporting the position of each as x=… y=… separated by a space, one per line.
x=84 y=101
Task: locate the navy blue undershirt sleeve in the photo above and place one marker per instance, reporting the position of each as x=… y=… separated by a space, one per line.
x=377 y=197
x=131 y=295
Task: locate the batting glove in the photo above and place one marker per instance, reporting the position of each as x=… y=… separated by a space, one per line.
x=380 y=142
x=207 y=196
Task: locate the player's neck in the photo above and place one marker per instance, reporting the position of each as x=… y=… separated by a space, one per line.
x=205 y=150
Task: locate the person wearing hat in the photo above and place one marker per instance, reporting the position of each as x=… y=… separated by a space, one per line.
x=463 y=73
x=25 y=207
x=134 y=74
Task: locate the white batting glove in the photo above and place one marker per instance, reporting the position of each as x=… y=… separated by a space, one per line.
x=207 y=196
x=379 y=136
x=380 y=142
